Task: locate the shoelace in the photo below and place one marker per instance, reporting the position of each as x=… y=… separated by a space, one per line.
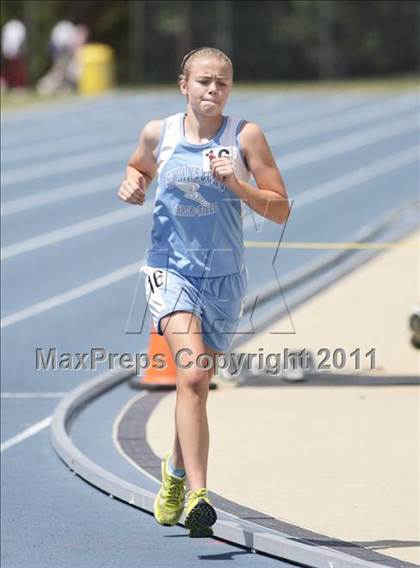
x=198 y=493
x=174 y=492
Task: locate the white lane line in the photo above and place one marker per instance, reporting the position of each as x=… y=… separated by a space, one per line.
x=78 y=189
x=31 y=431
x=18 y=395
x=269 y=106
x=60 y=109
x=74 y=190
x=16 y=141
x=85 y=118
x=73 y=294
x=348 y=181
x=284 y=135
x=79 y=161
x=72 y=144
x=357 y=177
x=288 y=161
x=95 y=134
x=362 y=115
x=348 y=142
x=323 y=107
x=71 y=231
x=66 y=165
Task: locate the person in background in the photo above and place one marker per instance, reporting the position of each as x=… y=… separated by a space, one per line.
x=66 y=39
x=14 y=73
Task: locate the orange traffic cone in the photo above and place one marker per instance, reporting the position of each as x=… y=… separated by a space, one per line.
x=156 y=378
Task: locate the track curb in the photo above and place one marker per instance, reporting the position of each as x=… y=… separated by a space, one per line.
x=236 y=531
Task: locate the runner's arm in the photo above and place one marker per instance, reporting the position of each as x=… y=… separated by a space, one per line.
x=142 y=165
x=269 y=198
x=143 y=159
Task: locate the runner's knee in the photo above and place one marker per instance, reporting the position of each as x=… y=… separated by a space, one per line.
x=195 y=379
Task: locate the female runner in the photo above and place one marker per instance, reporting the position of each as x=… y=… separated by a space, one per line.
x=195 y=275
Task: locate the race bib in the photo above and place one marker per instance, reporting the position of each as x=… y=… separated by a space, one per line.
x=218 y=152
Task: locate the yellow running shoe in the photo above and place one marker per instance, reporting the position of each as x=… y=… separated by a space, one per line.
x=199 y=513
x=169 y=502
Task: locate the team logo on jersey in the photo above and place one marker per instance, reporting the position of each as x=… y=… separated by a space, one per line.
x=190 y=189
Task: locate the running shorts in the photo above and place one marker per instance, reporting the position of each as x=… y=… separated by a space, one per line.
x=218 y=301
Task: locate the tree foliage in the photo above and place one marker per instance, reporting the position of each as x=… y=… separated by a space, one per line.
x=268 y=39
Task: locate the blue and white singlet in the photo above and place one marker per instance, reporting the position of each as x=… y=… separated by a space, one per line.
x=197 y=221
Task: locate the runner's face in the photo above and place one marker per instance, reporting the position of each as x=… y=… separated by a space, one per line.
x=208 y=85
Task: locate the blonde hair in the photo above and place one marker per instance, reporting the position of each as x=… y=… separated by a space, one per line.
x=201 y=52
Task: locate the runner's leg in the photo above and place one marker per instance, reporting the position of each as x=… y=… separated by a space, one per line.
x=177 y=458
x=182 y=330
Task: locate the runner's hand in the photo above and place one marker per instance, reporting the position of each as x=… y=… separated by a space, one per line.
x=133 y=190
x=222 y=169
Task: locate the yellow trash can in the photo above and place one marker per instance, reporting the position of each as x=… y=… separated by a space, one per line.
x=96 y=63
